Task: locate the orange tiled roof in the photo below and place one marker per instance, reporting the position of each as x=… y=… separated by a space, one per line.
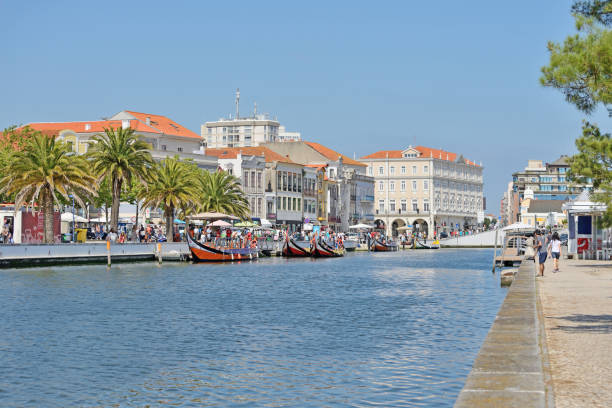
x=163 y=124
x=232 y=153
x=159 y=124
x=333 y=155
x=425 y=152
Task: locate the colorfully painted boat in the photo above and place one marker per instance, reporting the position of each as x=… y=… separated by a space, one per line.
x=293 y=250
x=210 y=253
x=322 y=250
x=379 y=246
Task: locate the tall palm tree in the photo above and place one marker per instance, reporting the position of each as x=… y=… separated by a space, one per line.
x=43 y=169
x=221 y=192
x=172 y=185
x=120 y=155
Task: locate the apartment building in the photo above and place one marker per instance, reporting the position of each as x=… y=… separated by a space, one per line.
x=547 y=181
x=250 y=170
x=428 y=189
x=166 y=137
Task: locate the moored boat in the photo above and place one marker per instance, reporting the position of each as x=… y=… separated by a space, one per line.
x=211 y=253
x=322 y=250
x=379 y=246
x=293 y=250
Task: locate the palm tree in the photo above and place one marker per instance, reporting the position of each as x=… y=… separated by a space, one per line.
x=43 y=169
x=172 y=185
x=221 y=192
x=121 y=156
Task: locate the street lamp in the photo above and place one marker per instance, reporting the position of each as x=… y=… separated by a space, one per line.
x=73 y=229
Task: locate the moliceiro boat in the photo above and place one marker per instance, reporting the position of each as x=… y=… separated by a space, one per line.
x=379 y=246
x=211 y=253
x=293 y=250
x=322 y=250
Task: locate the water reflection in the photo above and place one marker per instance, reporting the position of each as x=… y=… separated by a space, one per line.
x=397 y=329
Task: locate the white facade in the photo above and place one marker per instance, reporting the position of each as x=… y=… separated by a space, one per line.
x=250 y=171
x=241 y=132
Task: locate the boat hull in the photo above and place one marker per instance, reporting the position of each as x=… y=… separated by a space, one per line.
x=208 y=253
x=292 y=250
x=378 y=246
x=322 y=250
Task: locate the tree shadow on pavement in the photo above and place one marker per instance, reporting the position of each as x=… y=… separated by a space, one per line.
x=599 y=323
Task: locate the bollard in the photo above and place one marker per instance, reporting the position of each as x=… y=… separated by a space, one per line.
x=159 y=253
x=108 y=256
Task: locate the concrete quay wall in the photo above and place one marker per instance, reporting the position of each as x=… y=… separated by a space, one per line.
x=483 y=239
x=512 y=369
x=46 y=254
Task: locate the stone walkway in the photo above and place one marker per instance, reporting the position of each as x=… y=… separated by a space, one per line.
x=577 y=308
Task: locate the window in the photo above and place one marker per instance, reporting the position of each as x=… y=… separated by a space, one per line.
x=278 y=203
x=392 y=186
x=381 y=186
x=426 y=169
x=425 y=185
x=253 y=179
x=404 y=206
x=299 y=204
x=392 y=170
x=180 y=149
x=258 y=179
x=284 y=181
x=299 y=179
x=331 y=173
x=284 y=203
x=246 y=178
x=294 y=204
x=369 y=170
x=392 y=205
x=415 y=205
x=414 y=171
x=426 y=205
x=290 y=177
x=403 y=169
x=414 y=185
x=381 y=206
x=381 y=170
x=163 y=147
x=259 y=202
x=403 y=185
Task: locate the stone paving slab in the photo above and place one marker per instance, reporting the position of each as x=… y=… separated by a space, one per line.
x=511 y=367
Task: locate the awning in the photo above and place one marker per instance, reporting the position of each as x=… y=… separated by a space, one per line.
x=68 y=217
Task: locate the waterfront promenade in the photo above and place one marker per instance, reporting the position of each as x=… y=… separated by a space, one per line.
x=577 y=309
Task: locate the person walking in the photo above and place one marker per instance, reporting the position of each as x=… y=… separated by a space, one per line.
x=541 y=247
x=554 y=246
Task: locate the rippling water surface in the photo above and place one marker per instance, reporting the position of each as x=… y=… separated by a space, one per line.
x=386 y=329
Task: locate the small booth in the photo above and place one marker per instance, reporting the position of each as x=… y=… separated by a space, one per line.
x=586 y=239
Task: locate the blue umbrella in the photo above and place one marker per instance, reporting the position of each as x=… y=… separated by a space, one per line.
x=177 y=221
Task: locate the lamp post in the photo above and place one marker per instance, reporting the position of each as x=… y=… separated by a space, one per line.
x=73 y=229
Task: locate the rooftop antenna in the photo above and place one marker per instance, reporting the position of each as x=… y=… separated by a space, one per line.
x=237 y=103
x=255 y=110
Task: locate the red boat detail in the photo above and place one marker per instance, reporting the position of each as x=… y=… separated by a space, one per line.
x=322 y=250
x=378 y=246
x=207 y=253
x=292 y=249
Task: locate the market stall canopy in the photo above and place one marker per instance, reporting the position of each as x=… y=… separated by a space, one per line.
x=308 y=227
x=361 y=226
x=265 y=223
x=248 y=224
x=405 y=228
x=518 y=226
x=67 y=217
x=212 y=216
x=177 y=221
x=221 y=223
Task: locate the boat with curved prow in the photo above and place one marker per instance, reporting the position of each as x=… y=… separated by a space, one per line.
x=322 y=250
x=379 y=246
x=210 y=253
x=293 y=250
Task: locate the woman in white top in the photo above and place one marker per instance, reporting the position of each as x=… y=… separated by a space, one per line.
x=554 y=247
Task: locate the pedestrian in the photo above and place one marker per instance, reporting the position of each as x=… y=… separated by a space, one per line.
x=112 y=236
x=554 y=246
x=541 y=250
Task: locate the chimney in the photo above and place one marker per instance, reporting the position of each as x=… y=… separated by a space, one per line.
x=148 y=121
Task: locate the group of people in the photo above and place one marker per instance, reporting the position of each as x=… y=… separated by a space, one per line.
x=6 y=236
x=545 y=244
x=149 y=233
x=223 y=237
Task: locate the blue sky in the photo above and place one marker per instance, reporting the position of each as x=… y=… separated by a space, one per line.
x=355 y=76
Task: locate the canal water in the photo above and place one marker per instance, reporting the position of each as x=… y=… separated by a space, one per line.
x=384 y=329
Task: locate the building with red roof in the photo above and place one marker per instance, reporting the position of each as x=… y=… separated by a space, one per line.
x=165 y=136
x=429 y=191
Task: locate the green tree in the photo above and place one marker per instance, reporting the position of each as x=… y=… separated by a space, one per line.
x=593 y=164
x=599 y=10
x=171 y=186
x=103 y=198
x=131 y=193
x=581 y=67
x=121 y=156
x=43 y=170
x=220 y=191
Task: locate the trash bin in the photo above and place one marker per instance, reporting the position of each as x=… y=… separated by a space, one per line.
x=81 y=234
